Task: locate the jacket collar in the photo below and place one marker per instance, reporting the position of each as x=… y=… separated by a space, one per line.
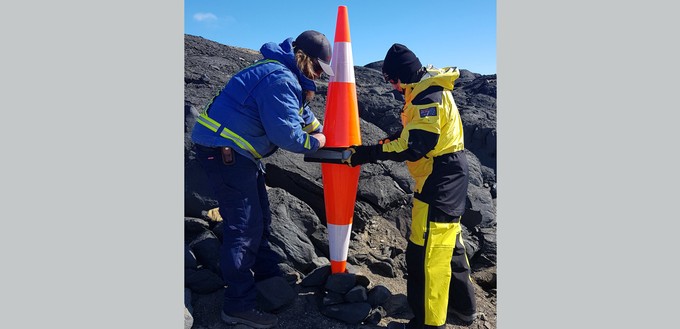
x=444 y=77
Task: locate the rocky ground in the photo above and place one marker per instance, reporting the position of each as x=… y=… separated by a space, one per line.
x=305 y=310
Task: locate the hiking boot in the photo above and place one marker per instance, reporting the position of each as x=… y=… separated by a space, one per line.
x=254 y=318
x=466 y=318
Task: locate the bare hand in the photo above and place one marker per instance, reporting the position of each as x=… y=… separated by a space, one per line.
x=321 y=138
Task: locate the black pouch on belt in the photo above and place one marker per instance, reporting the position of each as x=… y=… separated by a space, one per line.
x=227 y=155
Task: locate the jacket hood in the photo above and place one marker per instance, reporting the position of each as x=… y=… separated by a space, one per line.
x=444 y=77
x=283 y=53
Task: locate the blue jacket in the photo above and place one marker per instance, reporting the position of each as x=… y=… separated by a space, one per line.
x=261 y=108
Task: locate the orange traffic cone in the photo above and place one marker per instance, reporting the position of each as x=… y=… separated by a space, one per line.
x=341 y=127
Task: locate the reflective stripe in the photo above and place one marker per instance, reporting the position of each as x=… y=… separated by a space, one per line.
x=264 y=61
x=208 y=122
x=307 y=146
x=312 y=126
x=339 y=235
x=301 y=109
x=228 y=134
x=460 y=239
x=342 y=63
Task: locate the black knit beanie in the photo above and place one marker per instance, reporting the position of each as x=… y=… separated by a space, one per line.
x=400 y=62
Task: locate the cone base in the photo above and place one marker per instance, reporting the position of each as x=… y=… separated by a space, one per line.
x=338 y=267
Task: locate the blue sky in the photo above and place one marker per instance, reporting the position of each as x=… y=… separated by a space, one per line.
x=458 y=33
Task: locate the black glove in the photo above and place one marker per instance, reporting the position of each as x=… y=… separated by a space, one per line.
x=361 y=154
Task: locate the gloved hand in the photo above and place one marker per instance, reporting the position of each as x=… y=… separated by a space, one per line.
x=360 y=154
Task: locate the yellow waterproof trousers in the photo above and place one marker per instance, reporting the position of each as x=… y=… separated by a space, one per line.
x=438 y=268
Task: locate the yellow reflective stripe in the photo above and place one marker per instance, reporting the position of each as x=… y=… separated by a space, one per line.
x=301 y=109
x=312 y=126
x=228 y=134
x=242 y=143
x=264 y=61
x=307 y=146
x=208 y=122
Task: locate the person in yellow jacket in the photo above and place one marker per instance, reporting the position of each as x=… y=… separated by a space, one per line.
x=431 y=143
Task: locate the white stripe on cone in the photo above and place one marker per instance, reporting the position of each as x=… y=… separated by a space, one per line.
x=339 y=233
x=343 y=66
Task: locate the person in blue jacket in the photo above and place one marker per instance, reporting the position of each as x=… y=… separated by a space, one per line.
x=262 y=108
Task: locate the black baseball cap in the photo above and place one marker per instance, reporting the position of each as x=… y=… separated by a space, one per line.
x=315 y=45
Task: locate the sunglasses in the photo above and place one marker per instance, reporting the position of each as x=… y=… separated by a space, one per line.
x=389 y=79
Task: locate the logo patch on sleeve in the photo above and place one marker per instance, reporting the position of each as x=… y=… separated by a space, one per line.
x=428 y=112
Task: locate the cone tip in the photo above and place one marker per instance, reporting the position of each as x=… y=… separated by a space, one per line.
x=342 y=25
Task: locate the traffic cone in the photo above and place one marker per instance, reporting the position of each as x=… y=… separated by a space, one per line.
x=341 y=127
